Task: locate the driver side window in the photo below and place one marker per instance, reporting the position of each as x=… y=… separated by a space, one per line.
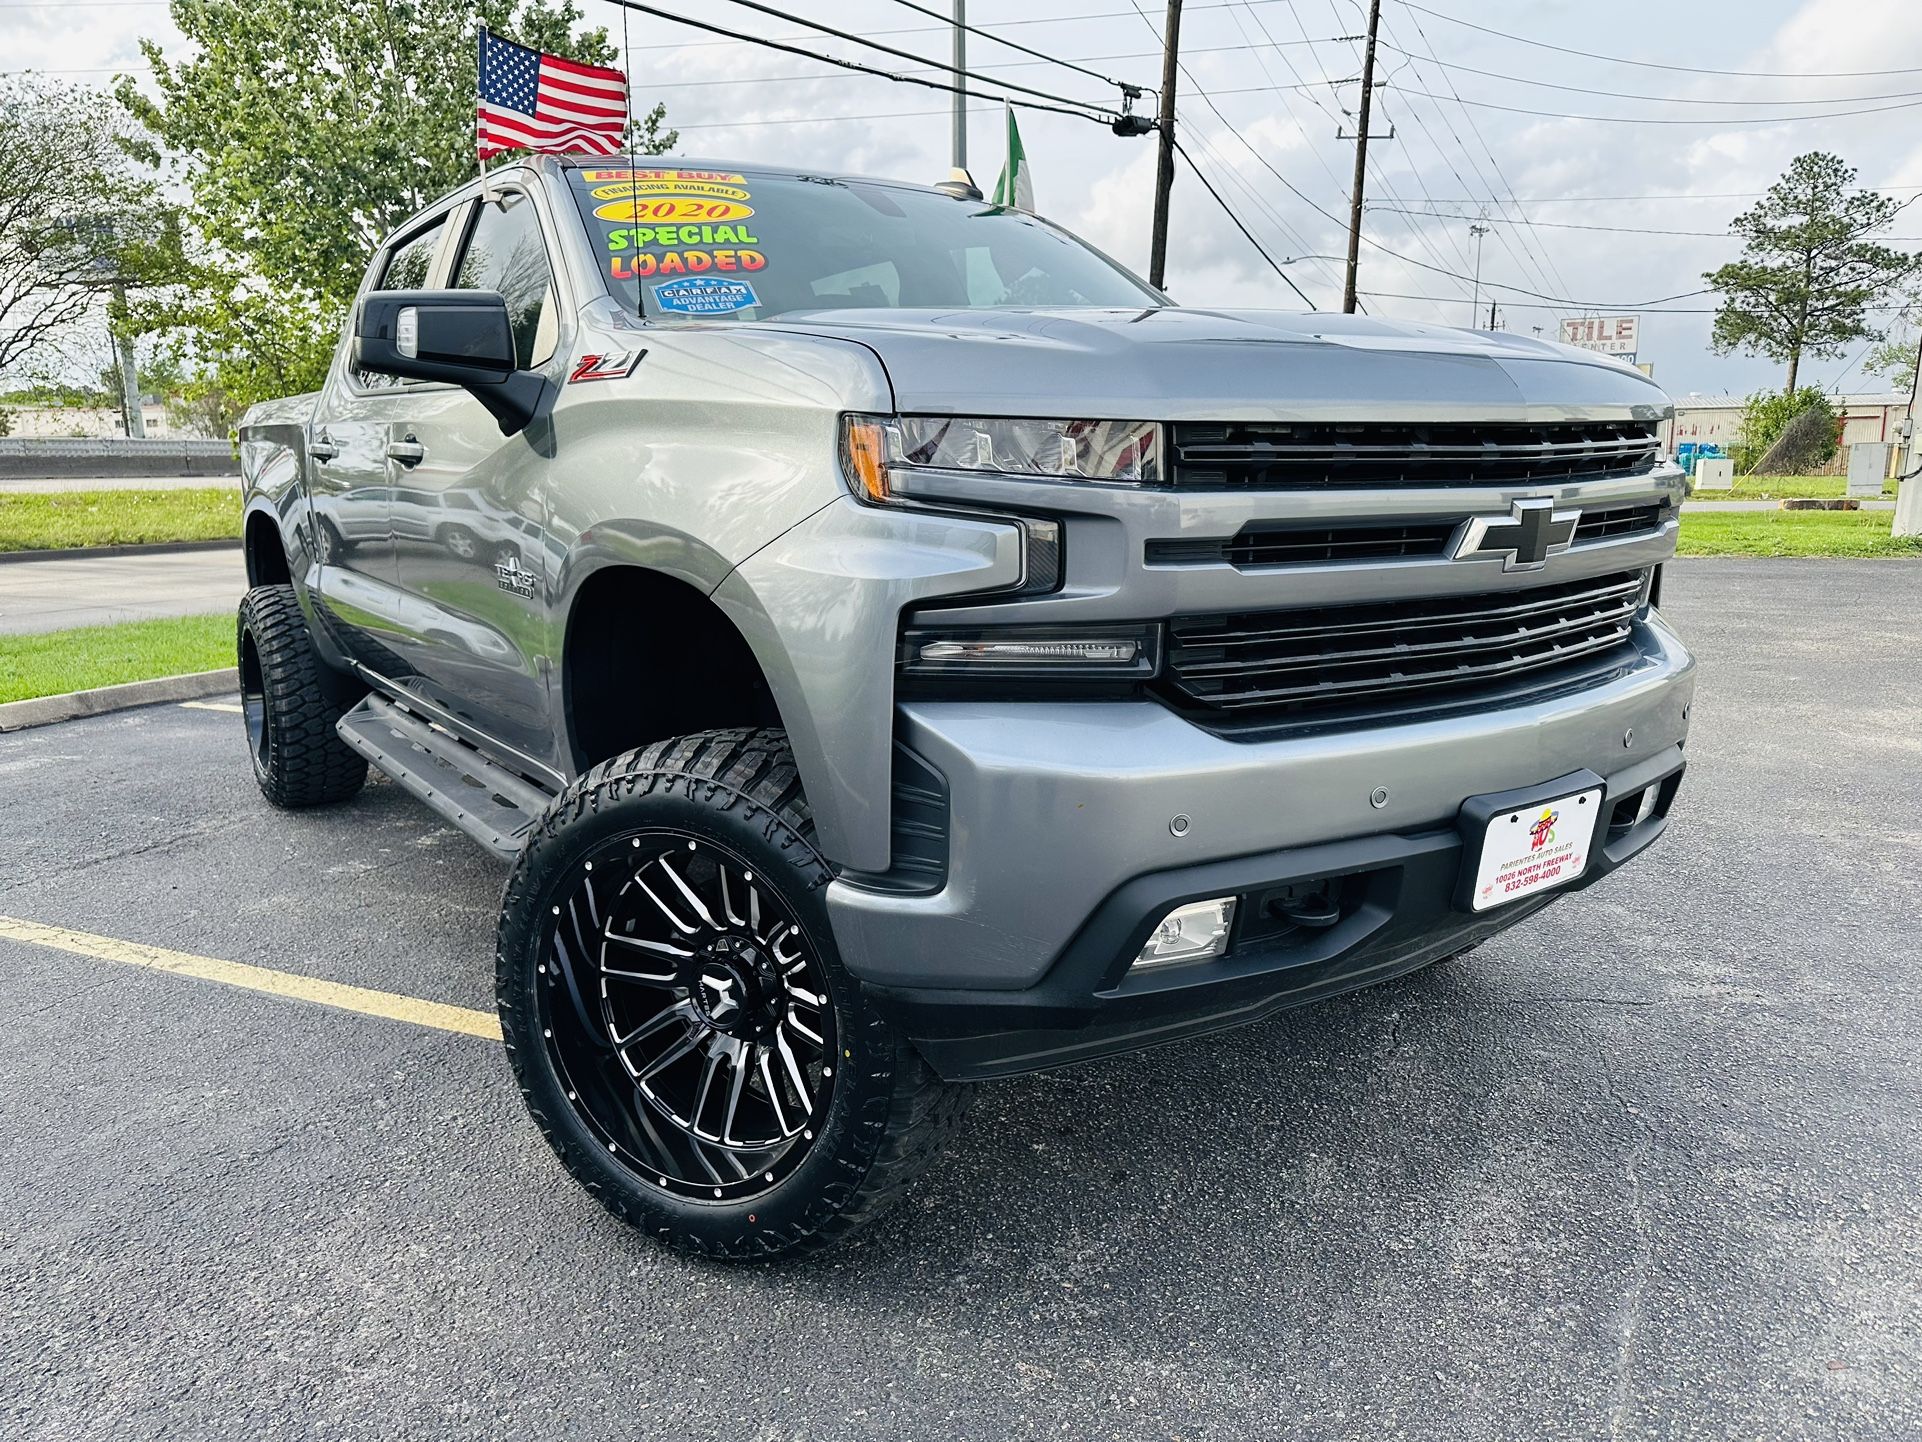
x=505 y=253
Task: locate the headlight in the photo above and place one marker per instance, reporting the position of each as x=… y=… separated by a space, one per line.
x=1115 y=452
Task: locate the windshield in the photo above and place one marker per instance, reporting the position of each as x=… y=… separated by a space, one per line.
x=678 y=242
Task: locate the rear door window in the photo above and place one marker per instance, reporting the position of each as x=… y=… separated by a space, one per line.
x=408 y=267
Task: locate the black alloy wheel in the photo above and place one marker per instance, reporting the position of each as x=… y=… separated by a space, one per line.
x=677 y=1013
x=688 y=1014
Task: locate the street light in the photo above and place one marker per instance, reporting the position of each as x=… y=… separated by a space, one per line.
x=1478 y=230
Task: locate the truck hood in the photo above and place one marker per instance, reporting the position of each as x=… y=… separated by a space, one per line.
x=1174 y=363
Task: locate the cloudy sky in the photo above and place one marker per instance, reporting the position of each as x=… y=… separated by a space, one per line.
x=1596 y=201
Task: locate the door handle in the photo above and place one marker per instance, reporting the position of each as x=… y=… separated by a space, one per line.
x=322 y=449
x=409 y=452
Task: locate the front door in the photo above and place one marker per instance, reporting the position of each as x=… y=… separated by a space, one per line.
x=350 y=486
x=467 y=510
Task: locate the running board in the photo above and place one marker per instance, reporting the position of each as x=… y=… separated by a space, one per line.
x=490 y=803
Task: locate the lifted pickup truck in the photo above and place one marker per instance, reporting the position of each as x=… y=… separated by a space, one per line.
x=895 y=647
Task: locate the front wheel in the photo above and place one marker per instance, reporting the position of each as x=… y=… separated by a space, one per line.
x=679 y=1019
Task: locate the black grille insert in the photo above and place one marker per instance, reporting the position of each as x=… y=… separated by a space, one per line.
x=1276 y=666
x=1615 y=522
x=1296 y=545
x=1278 y=455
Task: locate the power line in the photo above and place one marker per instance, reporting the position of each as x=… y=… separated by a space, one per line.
x=852 y=38
x=1188 y=78
x=1618 y=229
x=1523 y=290
x=1586 y=305
x=1656 y=65
x=826 y=119
x=1560 y=225
x=1508 y=185
x=1228 y=210
x=1066 y=107
x=1122 y=85
x=1637 y=95
x=1731 y=122
x=1374 y=169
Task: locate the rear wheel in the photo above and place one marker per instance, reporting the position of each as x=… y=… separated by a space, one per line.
x=680 y=1021
x=290 y=704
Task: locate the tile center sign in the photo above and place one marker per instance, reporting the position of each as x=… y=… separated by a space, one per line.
x=1609 y=334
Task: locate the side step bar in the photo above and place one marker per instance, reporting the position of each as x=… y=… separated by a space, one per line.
x=491 y=804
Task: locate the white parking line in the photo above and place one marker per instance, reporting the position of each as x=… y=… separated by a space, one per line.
x=233 y=706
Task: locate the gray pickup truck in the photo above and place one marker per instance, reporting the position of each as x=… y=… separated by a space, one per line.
x=894 y=647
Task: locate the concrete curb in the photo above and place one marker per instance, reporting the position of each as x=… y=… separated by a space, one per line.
x=86 y=553
x=45 y=710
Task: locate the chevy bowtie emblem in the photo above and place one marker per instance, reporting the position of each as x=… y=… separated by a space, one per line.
x=1524 y=539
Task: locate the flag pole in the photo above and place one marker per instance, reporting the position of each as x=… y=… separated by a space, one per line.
x=633 y=184
x=480 y=61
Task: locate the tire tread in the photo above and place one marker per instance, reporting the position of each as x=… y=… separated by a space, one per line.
x=308 y=764
x=749 y=772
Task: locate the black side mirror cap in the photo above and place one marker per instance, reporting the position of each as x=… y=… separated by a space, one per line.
x=455 y=337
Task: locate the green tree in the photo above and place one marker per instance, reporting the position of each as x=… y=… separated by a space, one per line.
x=1808 y=272
x=1767 y=416
x=1893 y=359
x=304 y=131
x=64 y=183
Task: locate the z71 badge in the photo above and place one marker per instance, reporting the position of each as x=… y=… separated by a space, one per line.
x=609 y=367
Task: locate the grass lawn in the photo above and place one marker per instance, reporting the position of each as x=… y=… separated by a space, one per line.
x=55 y=662
x=1783 y=488
x=117 y=518
x=1793 y=533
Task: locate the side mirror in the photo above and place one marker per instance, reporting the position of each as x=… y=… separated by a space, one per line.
x=457 y=337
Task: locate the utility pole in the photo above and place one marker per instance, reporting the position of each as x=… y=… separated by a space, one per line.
x=1361 y=159
x=1165 y=144
x=136 y=423
x=1478 y=230
x=1491 y=312
x=961 y=85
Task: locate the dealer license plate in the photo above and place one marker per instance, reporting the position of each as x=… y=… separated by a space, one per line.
x=1535 y=848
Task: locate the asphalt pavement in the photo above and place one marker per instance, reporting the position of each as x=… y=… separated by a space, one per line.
x=98 y=590
x=1648 y=1166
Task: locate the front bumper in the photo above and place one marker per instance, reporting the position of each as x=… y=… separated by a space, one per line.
x=1063 y=852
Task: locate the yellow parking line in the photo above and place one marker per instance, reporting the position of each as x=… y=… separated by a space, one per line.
x=258 y=978
x=233 y=706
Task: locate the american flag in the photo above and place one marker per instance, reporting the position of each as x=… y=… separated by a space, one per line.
x=530 y=100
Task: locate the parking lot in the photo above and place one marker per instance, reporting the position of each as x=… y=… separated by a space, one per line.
x=1648 y=1166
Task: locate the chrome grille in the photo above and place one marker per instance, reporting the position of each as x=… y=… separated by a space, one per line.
x=1277 y=455
x=1262 y=544
x=1300 y=664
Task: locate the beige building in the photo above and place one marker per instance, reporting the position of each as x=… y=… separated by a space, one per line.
x=1716 y=420
x=87 y=422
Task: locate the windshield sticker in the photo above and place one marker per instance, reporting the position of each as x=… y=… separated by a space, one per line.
x=707 y=188
x=640 y=235
x=705 y=295
x=651 y=177
x=683 y=262
x=672 y=207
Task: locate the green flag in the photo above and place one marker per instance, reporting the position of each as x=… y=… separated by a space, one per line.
x=1015 y=188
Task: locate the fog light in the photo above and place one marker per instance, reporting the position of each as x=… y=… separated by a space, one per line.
x=1193 y=932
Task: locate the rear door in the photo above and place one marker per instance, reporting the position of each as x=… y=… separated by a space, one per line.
x=468 y=509
x=350 y=484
